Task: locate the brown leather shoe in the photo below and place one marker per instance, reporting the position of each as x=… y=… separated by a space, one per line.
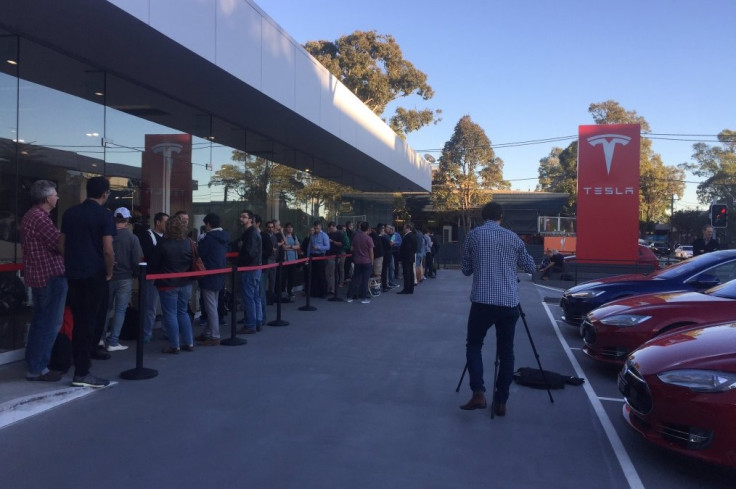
x=478 y=401
x=498 y=409
x=209 y=342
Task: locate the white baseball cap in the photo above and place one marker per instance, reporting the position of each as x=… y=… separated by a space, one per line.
x=122 y=212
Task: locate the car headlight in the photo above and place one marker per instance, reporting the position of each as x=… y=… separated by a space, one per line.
x=700 y=380
x=624 y=320
x=587 y=294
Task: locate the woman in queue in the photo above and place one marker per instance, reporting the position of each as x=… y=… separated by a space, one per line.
x=175 y=256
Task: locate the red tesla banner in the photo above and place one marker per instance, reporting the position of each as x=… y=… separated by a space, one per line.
x=608 y=193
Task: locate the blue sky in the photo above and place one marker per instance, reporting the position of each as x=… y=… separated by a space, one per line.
x=528 y=70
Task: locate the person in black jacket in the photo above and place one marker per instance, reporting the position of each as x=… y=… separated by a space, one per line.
x=249 y=256
x=150 y=240
x=176 y=254
x=407 y=253
x=212 y=249
x=707 y=243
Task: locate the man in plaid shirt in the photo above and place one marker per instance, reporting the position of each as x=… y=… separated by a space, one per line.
x=44 y=273
x=492 y=254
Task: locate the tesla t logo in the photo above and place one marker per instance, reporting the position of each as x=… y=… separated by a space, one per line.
x=609 y=142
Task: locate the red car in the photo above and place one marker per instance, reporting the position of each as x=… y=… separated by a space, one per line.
x=616 y=329
x=680 y=392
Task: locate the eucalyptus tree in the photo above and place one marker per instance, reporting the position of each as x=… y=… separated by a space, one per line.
x=373 y=67
x=468 y=172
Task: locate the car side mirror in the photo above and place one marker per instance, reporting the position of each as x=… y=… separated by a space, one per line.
x=705 y=281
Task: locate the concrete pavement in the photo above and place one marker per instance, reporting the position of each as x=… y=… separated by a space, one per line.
x=351 y=395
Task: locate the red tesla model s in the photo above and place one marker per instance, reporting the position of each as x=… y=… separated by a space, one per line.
x=616 y=329
x=680 y=391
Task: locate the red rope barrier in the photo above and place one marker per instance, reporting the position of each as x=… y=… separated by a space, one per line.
x=11 y=267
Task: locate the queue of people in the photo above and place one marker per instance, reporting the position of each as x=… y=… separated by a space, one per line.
x=88 y=267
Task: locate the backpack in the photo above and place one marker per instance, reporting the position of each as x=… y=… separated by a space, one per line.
x=544 y=379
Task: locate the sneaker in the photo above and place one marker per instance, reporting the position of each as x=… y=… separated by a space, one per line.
x=349 y=299
x=50 y=376
x=365 y=301
x=117 y=347
x=90 y=380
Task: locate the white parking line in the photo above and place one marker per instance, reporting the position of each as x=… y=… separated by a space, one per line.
x=612 y=399
x=618 y=448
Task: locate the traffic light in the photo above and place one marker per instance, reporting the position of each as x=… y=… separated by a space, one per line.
x=719 y=215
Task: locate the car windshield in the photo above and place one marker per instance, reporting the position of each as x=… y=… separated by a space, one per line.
x=726 y=291
x=690 y=266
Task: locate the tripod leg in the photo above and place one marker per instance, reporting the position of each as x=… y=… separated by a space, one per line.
x=536 y=355
x=495 y=378
x=461 y=378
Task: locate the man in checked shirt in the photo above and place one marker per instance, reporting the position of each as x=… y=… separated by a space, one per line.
x=492 y=254
x=44 y=274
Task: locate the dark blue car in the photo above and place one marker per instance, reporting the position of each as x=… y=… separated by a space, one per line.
x=698 y=273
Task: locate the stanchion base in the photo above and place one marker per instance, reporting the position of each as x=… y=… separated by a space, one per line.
x=278 y=322
x=139 y=374
x=234 y=341
x=307 y=308
x=336 y=299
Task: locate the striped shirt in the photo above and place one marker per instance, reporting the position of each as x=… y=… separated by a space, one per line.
x=492 y=254
x=40 y=241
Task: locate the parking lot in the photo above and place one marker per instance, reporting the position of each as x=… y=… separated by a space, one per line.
x=351 y=395
x=645 y=465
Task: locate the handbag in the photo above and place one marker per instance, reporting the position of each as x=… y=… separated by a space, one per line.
x=197 y=265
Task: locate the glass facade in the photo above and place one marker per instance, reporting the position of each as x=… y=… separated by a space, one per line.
x=88 y=123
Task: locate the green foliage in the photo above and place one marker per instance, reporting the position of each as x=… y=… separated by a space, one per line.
x=717 y=165
x=468 y=170
x=321 y=192
x=401 y=211
x=558 y=172
x=372 y=66
x=252 y=179
x=687 y=225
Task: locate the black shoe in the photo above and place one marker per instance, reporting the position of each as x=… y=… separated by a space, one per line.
x=99 y=355
x=405 y=292
x=90 y=380
x=50 y=376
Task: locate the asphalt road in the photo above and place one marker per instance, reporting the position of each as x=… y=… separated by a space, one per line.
x=350 y=395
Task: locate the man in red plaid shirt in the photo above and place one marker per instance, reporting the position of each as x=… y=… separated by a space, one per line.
x=44 y=272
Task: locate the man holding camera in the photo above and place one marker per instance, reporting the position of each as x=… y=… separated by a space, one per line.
x=492 y=254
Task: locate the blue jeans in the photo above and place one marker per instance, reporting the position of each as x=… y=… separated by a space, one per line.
x=482 y=317
x=48 y=312
x=175 y=315
x=250 y=287
x=119 y=294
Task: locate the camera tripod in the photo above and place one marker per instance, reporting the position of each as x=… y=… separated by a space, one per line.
x=495 y=369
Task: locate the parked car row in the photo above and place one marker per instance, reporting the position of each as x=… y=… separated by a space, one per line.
x=674 y=334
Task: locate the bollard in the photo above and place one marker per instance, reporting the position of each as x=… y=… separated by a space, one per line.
x=234 y=340
x=307 y=287
x=278 y=321
x=140 y=373
x=335 y=297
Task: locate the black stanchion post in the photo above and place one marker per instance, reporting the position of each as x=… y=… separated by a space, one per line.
x=279 y=270
x=234 y=340
x=334 y=297
x=140 y=373
x=308 y=287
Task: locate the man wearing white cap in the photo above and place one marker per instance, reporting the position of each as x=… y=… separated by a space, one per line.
x=128 y=254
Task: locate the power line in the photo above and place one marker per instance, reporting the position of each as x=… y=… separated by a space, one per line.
x=713 y=138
